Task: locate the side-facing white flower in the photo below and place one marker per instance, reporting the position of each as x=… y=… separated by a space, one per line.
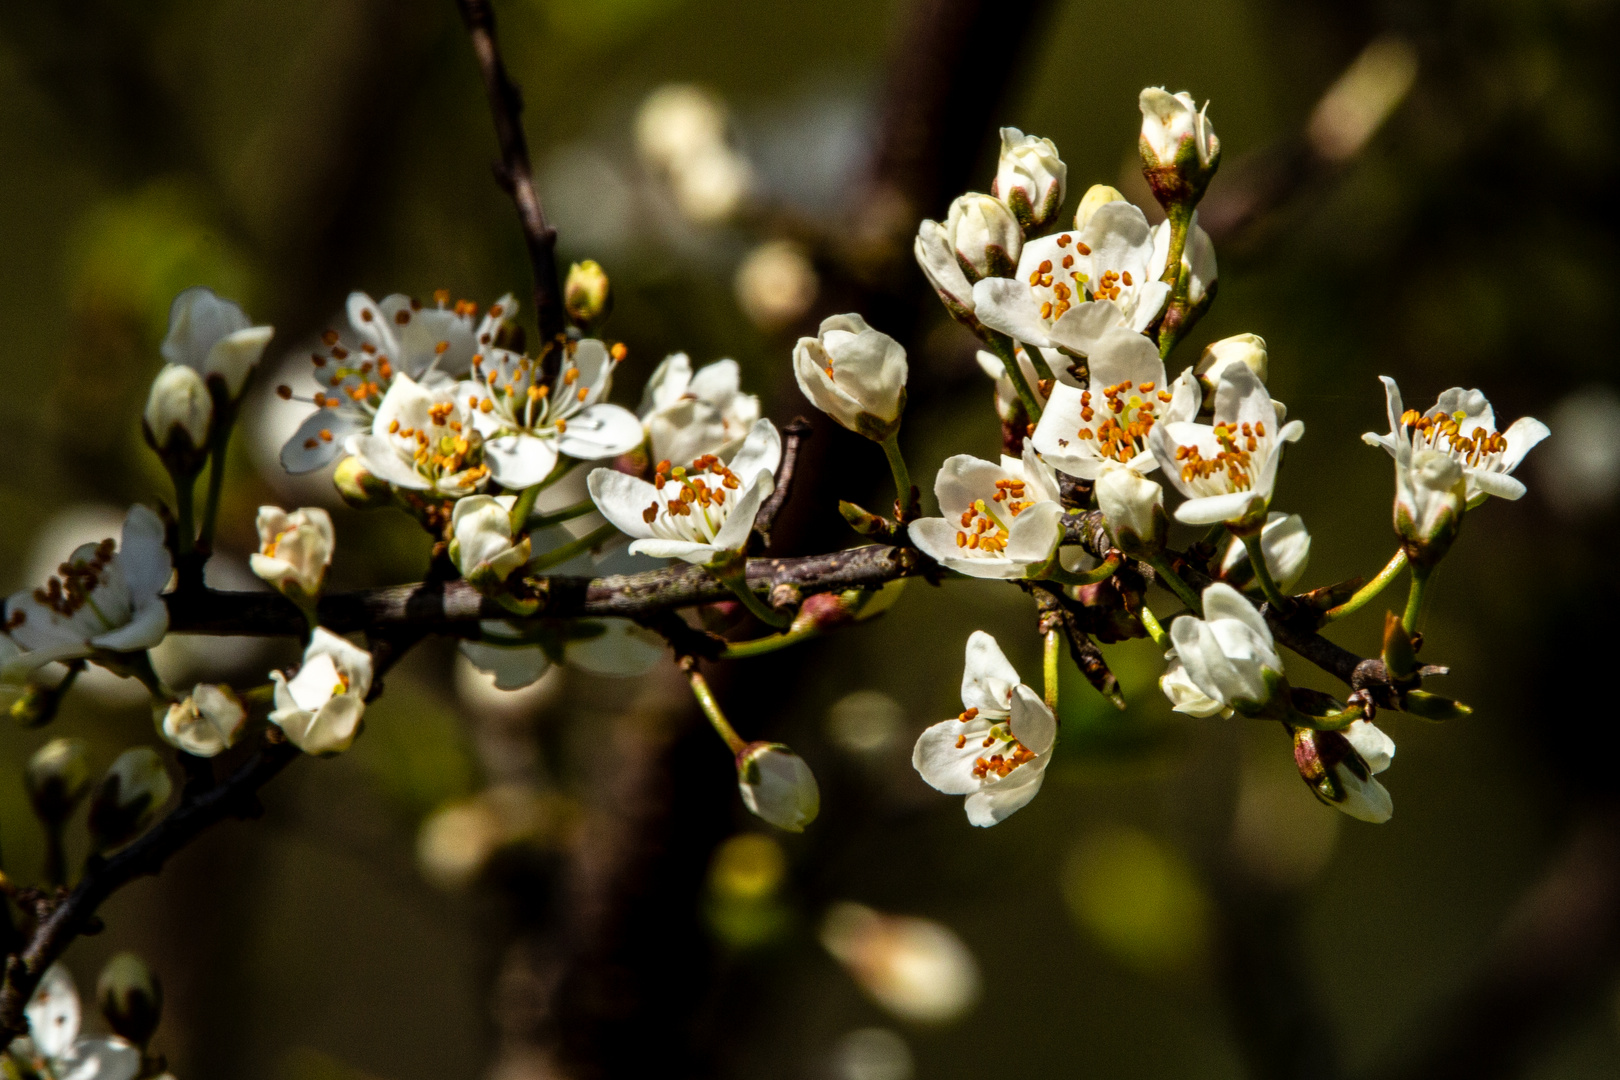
x=54 y=1016
x=999 y=520
x=1339 y=767
x=687 y=414
x=177 y=406
x=481 y=539
x=1286 y=544
x=854 y=374
x=294 y=549
x=214 y=337
x=1462 y=426
x=1175 y=131
x=207 y=722
x=1083 y=431
x=699 y=512
x=1184 y=694
x=1030 y=177
x=937 y=258
x=107 y=598
x=1226 y=469
x=997 y=751
x=984 y=234
x=519 y=655
x=1133 y=507
x=319 y=709
x=528 y=421
x=423 y=439
x=777 y=786
x=354 y=370
x=1229 y=654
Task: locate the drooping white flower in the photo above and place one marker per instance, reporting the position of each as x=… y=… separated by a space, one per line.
x=1030 y=177
x=997 y=751
x=999 y=520
x=1226 y=469
x=481 y=539
x=206 y=722
x=984 y=234
x=1339 y=767
x=1229 y=654
x=214 y=337
x=107 y=597
x=54 y=1016
x=1083 y=431
x=178 y=405
x=854 y=374
x=319 y=709
x=1133 y=507
x=1462 y=426
x=699 y=512
x=687 y=414
x=1286 y=545
x=518 y=654
x=294 y=549
x=528 y=421
x=777 y=786
x=1175 y=131
x=1184 y=694
x=423 y=439
x=354 y=370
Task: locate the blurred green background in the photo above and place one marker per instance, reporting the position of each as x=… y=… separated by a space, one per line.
x=288 y=151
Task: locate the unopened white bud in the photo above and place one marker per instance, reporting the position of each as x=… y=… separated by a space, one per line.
x=985 y=235
x=207 y=722
x=1096 y=197
x=481 y=543
x=179 y=411
x=1133 y=506
x=1246 y=349
x=1430 y=496
x=1030 y=177
x=854 y=374
x=1286 y=544
x=777 y=785
x=1179 y=149
x=129 y=797
x=1340 y=766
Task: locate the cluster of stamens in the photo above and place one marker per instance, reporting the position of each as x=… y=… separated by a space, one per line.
x=694 y=490
x=1131 y=415
x=524 y=399
x=441 y=454
x=68 y=592
x=1238 y=443
x=1045 y=276
x=1447 y=430
x=981 y=529
x=1001 y=764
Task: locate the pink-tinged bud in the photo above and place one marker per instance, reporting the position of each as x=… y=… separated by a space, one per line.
x=1339 y=766
x=1030 y=177
x=1180 y=152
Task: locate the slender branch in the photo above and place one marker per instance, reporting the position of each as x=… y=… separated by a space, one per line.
x=793 y=436
x=514 y=172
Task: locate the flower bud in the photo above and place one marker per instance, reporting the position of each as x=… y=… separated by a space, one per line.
x=1029 y=177
x=358 y=487
x=294 y=550
x=985 y=236
x=1246 y=349
x=129 y=797
x=207 y=722
x=1133 y=506
x=131 y=998
x=481 y=541
x=1433 y=706
x=1431 y=492
x=777 y=785
x=1096 y=196
x=179 y=416
x=1339 y=766
x=854 y=374
x=1179 y=149
x=587 y=295
x=58 y=778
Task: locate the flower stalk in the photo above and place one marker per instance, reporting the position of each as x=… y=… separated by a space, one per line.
x=1049 y=668
x=711 y=709
x=1002 y=346
x=732 y=571
x=1414 y=596
x=1262 y=572
x=1360 y=598
x=1171 y=580
x=905 y=500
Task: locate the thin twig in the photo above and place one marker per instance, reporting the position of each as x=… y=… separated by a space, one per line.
x=793 y=436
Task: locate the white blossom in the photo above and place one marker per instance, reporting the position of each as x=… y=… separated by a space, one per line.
x=179 y=403
x=54 y=1016
x=294 y=549
x=106 y=598
x=698 y=512
x=206 y=722
x=1175 y=129
x=481 y=539
x=1340 y=767
x=517 y=655
x=1030 y=176
x=1133 y=507
x=214 y=337
x=423 y=439
x=354 y=370
x=984 y=234
x=319 y=708
x=1184 y=694
x=1083 y=431
x=937 y=258
x=1228 y=468
x=687 y=414
x=999 y=520
x=854 y=374
x=1229 y=654
x=997 y=751
x=1286 y=545
x=777 y=786
x=1462 y=426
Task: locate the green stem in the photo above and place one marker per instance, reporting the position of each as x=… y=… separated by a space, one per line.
x=559 y=555
x=1002 y=346
x=1054 y=571
x=185 y=513
x=742 y=650
x=1151 y=625
x=1262 y=572
x=523 y=507
x=216 y=486
x=1371 y=589
x=732 y=573
x=1172 y=581
x=1414 y=598
x=557 y=517
x=1049 y=668
x=1175 y=275
x=711 y=709
x=902 y=475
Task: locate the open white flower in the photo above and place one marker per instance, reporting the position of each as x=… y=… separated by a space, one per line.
x=1175 y=131
x=1462 y=426
x=1229 y=654
x=107 y=597
x=687 y=414
x=854 y=374
x=528 y=421
x=294 y=549
x=354 y=370
x=320 y=708
x=997 y=751
x=1184 y=694
x=518 y=654
x=481 y=539
x=1339 y=767
x=423 y=439
x=699 y=512
x=1226 y=469
x=1082 y=432
x=207 y=722
x=999 y=520
x=214 y=337
x=1286 y=545
x=1030 y=176
x=54 y=1016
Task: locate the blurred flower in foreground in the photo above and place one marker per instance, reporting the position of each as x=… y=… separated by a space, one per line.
x=745 y=879
x=54 y=1016
x=776 y=283
x=1362 y=98
x=865 y=722
x=1580 y=471
x=681 y=131
x=916 y=968
x=873 y=1054
x=778 y=786
x=458 y=840
x=1138 y=898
